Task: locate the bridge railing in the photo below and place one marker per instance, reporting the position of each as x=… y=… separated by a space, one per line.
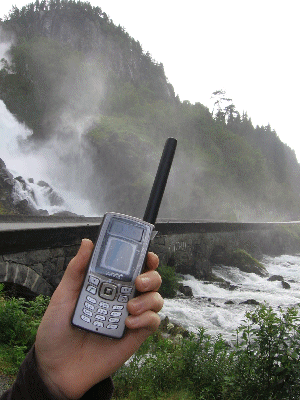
x=34 y=251
x=23 y=233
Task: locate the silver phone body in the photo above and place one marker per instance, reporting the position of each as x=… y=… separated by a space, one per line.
x=118 y=258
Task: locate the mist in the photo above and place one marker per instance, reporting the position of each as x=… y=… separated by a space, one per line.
x=64 y=157
x=111 y=171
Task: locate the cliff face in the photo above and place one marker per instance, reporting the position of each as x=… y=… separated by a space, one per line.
x=87 y=90
x=88 y=30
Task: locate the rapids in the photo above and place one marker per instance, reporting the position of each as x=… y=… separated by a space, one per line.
x=207 y=308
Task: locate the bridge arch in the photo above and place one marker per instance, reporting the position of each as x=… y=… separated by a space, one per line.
x=24 y=276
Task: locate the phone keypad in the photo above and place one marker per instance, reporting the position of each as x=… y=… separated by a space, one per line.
x=113 y=320
x=118 y=307
x=85 y=318
x=91 y=289
x=112 y=326
x=87 y=312
x=91 y=299
x=89 y=306
x=99 y=324
x=100 y=317
x=95 y=281
x=115 y=314
x=102 y=313
x=103 y=305
x=123 y=299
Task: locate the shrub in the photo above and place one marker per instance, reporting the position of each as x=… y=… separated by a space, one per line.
x=170 y=281
x=268 y=364
x=264 y=364
x=19 y=321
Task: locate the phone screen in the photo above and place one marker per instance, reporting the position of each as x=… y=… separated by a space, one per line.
x=119 y=250
x=118 y=255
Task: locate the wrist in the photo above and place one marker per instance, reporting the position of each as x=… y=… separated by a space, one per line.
x=51 y=386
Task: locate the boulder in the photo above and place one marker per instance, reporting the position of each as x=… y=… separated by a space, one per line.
x=251 y=302
x=186 y=290
x=246 y=263
x=285 y=285
x=54 y=198
x=275 y=278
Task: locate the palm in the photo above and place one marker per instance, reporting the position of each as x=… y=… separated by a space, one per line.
x=74 y=359
x=77 y=351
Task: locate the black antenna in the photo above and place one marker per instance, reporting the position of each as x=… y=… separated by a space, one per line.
x=160 y=181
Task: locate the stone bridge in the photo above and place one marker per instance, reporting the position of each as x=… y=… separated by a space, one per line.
x=34 y=251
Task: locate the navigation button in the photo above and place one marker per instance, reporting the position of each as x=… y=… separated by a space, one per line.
x=94 y=280
x=126 y=290
x=91 y=289
x=108 y=291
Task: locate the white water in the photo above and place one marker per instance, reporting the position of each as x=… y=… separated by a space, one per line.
x=42 y=164
x=208 y=308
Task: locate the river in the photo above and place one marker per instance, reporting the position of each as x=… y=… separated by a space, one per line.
x=207 y=308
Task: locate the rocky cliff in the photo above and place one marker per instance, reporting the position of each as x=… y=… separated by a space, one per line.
x=88 y=30
x=105 y=106
x=18 y=197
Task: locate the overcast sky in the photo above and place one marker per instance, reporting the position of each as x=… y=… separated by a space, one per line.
x=247 y=48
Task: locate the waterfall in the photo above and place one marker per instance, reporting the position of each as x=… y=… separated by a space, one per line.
x=47 y=177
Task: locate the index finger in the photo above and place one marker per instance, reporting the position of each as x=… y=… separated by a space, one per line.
x=152 y=261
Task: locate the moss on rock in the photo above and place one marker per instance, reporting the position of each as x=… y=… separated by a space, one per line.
x=246 y=263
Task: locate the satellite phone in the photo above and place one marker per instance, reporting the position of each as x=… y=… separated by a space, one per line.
x=118 y=258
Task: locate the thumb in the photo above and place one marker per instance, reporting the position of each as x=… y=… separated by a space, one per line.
x=73 y=277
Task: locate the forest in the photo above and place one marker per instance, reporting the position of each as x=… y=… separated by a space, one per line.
x=71 y=72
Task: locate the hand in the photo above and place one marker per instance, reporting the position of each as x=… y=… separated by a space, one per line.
x=70 y=361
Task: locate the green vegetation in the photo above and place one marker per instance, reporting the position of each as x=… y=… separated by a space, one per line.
x=245 y=262
x=170 y=281
x=19 y=321
x=263 y=363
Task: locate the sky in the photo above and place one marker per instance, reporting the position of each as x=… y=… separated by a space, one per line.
x=247 y=48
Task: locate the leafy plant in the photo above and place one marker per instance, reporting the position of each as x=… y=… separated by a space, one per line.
x=170 y=281
x=269 y=366
x=263 y=365
x=19 y=321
